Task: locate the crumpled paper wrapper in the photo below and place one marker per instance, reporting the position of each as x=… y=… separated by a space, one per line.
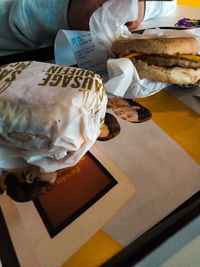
x=50 y=115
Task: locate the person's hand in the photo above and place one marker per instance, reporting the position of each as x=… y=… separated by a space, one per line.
x=80 y=11
x=132 y=25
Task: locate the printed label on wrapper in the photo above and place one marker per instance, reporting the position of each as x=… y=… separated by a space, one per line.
x=51 y=115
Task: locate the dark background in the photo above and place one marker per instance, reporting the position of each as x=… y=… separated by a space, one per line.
x=7 y=253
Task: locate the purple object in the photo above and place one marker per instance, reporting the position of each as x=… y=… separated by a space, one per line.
x=186 y=22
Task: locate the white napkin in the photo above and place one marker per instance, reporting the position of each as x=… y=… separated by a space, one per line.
x=108 y=22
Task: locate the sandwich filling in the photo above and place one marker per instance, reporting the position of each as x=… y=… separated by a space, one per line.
x=184 y=61
x=167 y=60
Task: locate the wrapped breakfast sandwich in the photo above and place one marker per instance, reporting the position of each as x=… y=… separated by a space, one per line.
x=50 y=115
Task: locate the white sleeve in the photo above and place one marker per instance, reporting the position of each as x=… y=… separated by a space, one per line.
x=27 y=24
x=159 y=9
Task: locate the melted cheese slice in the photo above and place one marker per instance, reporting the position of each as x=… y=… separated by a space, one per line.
x=188 y=57
x=133 y=55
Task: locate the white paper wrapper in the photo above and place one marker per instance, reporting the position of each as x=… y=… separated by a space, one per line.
x=108 y=22
x=92 y=50
x=50 y=115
